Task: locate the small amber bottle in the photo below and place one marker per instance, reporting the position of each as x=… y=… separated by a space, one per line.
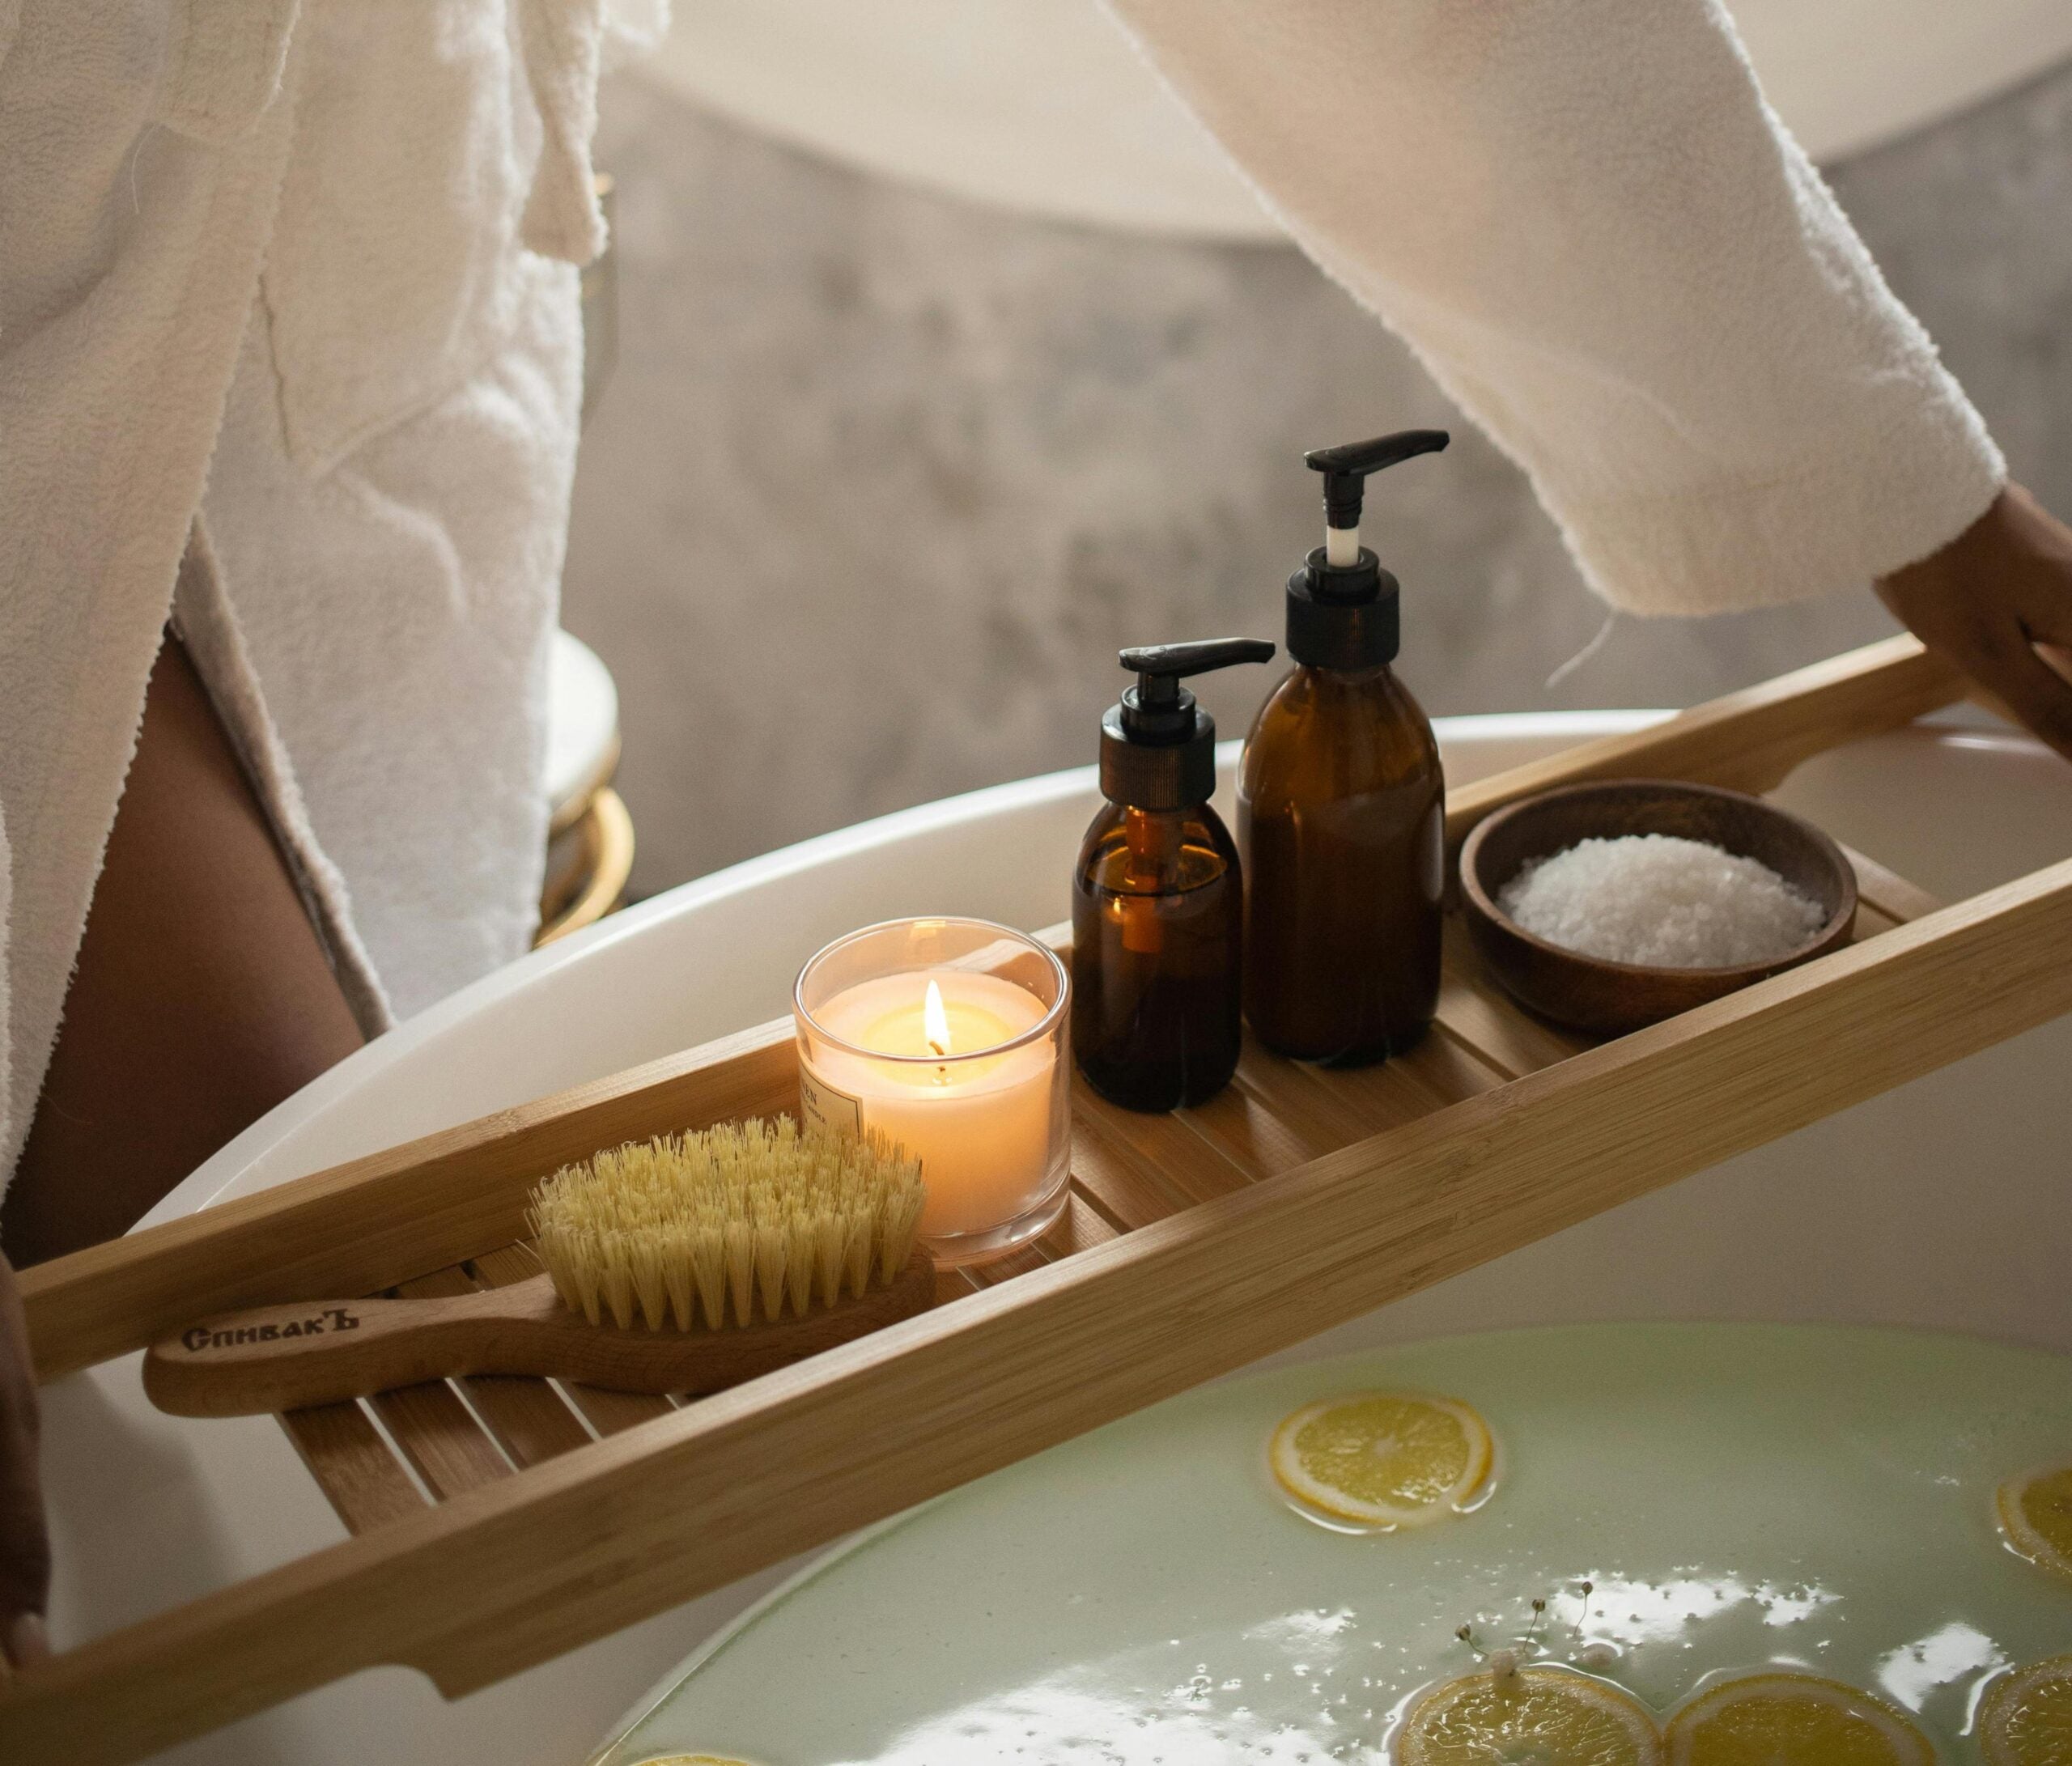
x=1158 y=895
x=1341 y=805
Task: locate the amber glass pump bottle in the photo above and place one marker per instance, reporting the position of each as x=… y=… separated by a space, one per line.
x=1340 y=804
x=1157 y=900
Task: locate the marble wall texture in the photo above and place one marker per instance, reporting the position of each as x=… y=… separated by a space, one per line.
x=884 y=480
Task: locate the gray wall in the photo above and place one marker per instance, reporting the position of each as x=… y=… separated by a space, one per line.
x=883 y=480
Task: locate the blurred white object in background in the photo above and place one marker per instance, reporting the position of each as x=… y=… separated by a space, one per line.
x=582 y=726
x=1044 y=106
x=589 y=833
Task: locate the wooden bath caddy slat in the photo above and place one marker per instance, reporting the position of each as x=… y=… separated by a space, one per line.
x=1474 y=1013
x=442 y=1434
x=1191 y=1244
x=356 y=1467
x=1892 y=899
x=608 y=1412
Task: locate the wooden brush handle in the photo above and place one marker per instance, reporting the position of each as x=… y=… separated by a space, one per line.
x=278 y=1358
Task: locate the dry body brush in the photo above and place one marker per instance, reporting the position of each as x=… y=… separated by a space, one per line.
x=729 y=1225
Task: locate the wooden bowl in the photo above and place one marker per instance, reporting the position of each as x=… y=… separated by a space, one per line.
x=1604 y=998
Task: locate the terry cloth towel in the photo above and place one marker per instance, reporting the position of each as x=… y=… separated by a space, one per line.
x=1605 y=246
x=287 y=290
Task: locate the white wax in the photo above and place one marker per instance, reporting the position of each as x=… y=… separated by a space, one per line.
x=980 y=1124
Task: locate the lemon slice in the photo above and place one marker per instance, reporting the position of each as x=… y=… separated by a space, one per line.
x=1384 y=1459
x=694 y=1760
x=1535 y=1715
x=1793 y=1720
x=2026 y=1719
x=2035 y=1514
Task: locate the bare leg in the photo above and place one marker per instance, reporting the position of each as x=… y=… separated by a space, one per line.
x=24 y=1542
x=202 y=998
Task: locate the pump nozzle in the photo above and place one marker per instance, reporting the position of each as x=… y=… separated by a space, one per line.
x=1158 y=708
x=1157 y=746
x=1345 y=470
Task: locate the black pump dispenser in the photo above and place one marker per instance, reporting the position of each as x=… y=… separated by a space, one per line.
x=1342 y=605
x=1157 y=745
x=1341 y=805
x=1158 y=895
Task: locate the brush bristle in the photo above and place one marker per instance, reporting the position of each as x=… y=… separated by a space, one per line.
x=729 y=1225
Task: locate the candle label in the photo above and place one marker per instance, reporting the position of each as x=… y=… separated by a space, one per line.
x=820 y=1105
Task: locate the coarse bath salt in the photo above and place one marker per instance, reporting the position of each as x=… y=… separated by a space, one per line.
x=1661 y=900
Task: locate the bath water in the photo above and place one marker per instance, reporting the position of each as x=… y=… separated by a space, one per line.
x=1736 y=1496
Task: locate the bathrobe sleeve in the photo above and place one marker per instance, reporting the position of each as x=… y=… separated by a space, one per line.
x=1604 y=245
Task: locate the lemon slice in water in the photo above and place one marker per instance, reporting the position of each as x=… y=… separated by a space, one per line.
x=694 y=1760
x=2035 y=1514
x=2026 y=1719
x=1793 y=1720
x=1540 y=1716
x=1384 y=1459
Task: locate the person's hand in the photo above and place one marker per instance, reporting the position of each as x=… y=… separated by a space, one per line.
x=24 y=1544
x=1996 y=603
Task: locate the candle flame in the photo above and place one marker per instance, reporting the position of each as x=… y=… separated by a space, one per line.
x=936 y=1021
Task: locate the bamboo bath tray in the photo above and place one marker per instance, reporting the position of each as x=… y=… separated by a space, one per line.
x=500 y=1522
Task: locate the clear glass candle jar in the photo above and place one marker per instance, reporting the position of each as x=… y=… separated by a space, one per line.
x=949 y=1037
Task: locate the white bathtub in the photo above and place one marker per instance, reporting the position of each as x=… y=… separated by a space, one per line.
x=1948 y=1203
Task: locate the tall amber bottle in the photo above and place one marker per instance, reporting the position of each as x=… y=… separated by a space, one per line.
x=1158 y=896
x=1341 y=805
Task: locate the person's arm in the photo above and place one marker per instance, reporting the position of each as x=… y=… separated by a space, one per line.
x=1598 y=237
x=1997 y=600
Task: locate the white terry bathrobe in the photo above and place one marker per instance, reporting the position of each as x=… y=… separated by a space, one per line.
x=285 y=292
x=290 y=353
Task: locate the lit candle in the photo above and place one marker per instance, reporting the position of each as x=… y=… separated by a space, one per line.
x=921 y=1059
